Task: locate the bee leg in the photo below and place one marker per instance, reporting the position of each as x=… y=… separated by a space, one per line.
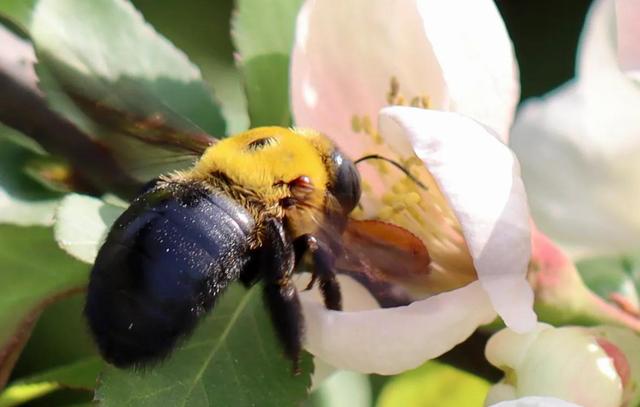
x=301 y=247
x=277 y=264
x=323 y=261
x=252 y=272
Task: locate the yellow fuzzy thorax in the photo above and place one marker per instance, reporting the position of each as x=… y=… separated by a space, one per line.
x=265 y=169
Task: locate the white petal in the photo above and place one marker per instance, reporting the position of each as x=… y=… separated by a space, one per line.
x=580 y=148
x=581 y=180
x=628 y=30
x=480 y=178
x=609 y=44
x=473 y=48
x=500 y=392
x=345 y=54
x=392 y=340
x=611 y=95
x=536 y=402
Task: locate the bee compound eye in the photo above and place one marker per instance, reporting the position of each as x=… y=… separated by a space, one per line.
x=346 y=183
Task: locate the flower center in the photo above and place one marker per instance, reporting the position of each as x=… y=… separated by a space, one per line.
x=391 y=196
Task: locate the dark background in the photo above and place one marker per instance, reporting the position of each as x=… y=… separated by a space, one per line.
x=545 y=35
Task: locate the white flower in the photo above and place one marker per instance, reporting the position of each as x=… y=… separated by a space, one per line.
x=535 y=402
x=350 y=60
x=580 y=145
x=588 y=366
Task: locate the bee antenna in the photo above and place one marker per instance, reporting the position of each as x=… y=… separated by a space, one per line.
x=395 y=164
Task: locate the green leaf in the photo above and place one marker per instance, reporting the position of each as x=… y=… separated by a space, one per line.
x=106 y=52
x=51 y=345
x=35 y=272
x=18 y=11
x=267 y=83
x=22 y=200
x=20 y=394
x=206 y=40
x=613 y=275
x=434 y=384
x=263 y=35
x=81 y=374
x=82 y=223
x=233 y=359
x=20 y=139
x=107 y=71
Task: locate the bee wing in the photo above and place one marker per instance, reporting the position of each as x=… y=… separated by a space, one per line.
x=384 y=257
x=388 y=251
x=162 y=128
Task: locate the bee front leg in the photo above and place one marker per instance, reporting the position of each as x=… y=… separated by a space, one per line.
x=277 y=264
x=323 y=260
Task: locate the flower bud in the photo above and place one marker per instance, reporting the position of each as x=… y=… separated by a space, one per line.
x=586 y=366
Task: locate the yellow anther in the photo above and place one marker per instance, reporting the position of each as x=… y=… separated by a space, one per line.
x=415 y=102
x=380 y=166
x=356 y=125
x=412 y=198
x=426 y=102
x=417 y=215
x=389 y=199
x=395 y=86
x=411 y=161
x=385 y=213
x=366 y=125
x=399 y=187
x=394 y=89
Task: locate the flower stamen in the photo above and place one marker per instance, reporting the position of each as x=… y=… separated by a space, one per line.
x=424 y=212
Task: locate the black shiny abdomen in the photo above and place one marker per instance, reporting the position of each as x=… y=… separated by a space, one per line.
x=163 y=265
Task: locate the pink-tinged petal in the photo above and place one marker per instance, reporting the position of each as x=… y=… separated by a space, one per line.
x=611 y=94
x=17 y=58
x=581 y=168
x=561 y=293
x=536 y=402
x=480 y=179
x=344 y=56
x=628 y=30
x=391 y=340
x=580 y=147
x=475 y=53
x=346 y=53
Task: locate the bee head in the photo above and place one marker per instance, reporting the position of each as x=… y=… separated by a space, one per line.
x=345 y=182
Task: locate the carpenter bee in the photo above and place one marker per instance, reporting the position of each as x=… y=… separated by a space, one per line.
x=249 y=210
